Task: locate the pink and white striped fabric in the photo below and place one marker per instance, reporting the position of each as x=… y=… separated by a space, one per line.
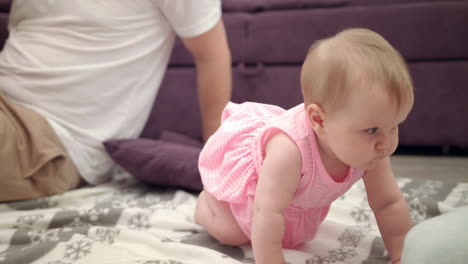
x=232 y=158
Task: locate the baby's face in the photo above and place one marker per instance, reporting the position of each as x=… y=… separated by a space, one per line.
x=365 y=128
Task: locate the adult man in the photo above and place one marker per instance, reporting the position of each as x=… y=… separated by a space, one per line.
x=75 y=73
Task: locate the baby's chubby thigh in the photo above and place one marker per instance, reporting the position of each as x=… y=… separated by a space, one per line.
x=217 y=219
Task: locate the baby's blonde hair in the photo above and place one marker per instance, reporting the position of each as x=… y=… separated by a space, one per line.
x=332 y=64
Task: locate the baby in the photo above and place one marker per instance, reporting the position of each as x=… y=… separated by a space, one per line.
x=270 y=174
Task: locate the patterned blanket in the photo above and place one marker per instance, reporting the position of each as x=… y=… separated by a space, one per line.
x=126 y=221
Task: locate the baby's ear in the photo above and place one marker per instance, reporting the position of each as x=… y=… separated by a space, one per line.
x=316 y=116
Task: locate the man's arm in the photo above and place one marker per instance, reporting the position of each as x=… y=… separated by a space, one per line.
x=213 y=63
x=389 y=207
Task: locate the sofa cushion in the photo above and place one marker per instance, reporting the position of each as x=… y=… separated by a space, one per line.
x=265 y=5
x=235 y=24
x=256 y=5
x=176 y=107
x=391 y=2
x=437 y=83
x=3 y=29
x=5 y=6
x=439 y=116
x=283 y=37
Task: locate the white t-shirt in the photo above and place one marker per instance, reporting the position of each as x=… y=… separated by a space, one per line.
x=93 y=68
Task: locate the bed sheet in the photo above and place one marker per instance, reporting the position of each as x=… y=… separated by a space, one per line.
x=126 y=221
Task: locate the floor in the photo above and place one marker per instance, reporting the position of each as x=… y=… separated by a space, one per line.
x=444 y=168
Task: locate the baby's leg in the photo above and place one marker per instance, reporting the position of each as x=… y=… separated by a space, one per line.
x=216 y=218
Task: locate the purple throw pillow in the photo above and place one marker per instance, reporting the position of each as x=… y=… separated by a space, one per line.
x=174 y=137
x=158 y=162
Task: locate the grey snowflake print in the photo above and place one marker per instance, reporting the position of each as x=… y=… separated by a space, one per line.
x=139 y=222
x=78 y=222
x=125 y=202
x=164 y=205
x=93 y=214
x=351 y=237
x=77 y=250
x=48 y=202
x=361 y=215
x=428 y=188
x=318 y=260
x=417 y=210
x=341 y=254
x=160 y=262
x=40 y=236
x=27 y=221
x=107 y=234
x=57 y=262
x=151 y=199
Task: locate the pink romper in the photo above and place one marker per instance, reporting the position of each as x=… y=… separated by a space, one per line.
x=232 y=158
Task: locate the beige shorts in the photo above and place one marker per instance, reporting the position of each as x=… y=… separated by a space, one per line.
x=33 y=161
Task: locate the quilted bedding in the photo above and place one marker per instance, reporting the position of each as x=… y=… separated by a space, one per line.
x=126 y=221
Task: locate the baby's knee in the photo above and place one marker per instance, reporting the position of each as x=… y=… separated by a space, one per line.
x=229 y=236
x=201 y=209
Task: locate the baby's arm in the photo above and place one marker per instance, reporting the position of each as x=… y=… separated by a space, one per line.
x=279 y=178
x=389 y=207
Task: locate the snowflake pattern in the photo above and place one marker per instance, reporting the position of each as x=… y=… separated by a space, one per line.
x=78 y=222
x=318 y=260
x=169 y=205
x=151 y=199
x=159 y=262
x=27 y=221
x=40 y=236
x=77 y=250
x=47 y=202
x=361 y=215
x=107 y=234
x=351 y=237
x=125 y=202
x=93 y=214
x=88 y=217
x=417 y=210
x=428 y=188
x=139 y=222
x=57 y=262
x=341 y=254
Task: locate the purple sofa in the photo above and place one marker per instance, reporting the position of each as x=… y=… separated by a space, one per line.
x=269 y=40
